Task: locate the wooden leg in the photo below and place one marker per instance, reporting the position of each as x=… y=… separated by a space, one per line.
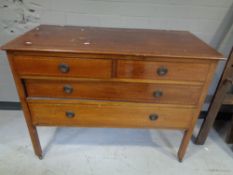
x=35 y=141
x=184 y=144
x=32 y=130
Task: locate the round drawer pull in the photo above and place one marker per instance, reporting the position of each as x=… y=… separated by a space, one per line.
x=161 y=71
x=153 y=117
x=68 y=89
x=70 y=114
x=64 y=68
x=158 y=93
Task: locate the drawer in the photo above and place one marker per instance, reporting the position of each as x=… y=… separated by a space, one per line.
x=162 y=70
x=109 y=114
x=121 y=91
x=65 y=67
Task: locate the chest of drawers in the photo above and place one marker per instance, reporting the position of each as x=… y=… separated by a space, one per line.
x=106 y=77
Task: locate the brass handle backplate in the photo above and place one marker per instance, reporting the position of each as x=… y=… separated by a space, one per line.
x=70 y=114
x=153 y=117
x=68 y=89
x=161 y=71
x=64 y=68
x=158 y=93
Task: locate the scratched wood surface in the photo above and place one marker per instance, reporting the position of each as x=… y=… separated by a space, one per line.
x=144 y=42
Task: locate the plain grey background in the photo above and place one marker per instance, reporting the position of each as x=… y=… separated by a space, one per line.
x=210 y=20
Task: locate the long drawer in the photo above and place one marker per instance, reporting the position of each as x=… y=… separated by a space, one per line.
x=109 y=114
x=62 y=67
x=121 y=91
x=162 y=70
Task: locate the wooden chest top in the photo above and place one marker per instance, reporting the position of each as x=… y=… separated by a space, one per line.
x=95 y=40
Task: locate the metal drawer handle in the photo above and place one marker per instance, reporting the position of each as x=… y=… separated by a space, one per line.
x=70 y=114
x=64 y=68
x=153 y=117
x=68 y=89
x=158 y=93
x=161 y=71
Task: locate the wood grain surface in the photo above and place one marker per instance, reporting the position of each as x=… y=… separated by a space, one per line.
x=109 y=115
x=122 y=91
x=175 y=71
x=49 y=66
x=99 y=40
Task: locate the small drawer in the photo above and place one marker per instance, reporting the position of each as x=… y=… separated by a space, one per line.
x=109 y=114
x=162 y=70
x=65 y=67
x=120 y=91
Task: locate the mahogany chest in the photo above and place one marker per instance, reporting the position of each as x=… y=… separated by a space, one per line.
x=107 y=77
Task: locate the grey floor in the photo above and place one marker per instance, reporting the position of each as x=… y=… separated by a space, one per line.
x=95 y=151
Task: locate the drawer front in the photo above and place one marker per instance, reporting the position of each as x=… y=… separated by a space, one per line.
x=162 y=70
x=110 y=115
x=65 y=67
x=121 y=91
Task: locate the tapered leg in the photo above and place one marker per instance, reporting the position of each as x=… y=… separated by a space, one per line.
x=32 y=130
x=184 y=144
x=35 y=141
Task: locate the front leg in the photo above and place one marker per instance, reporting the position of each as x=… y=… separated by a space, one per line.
x=184 y=144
